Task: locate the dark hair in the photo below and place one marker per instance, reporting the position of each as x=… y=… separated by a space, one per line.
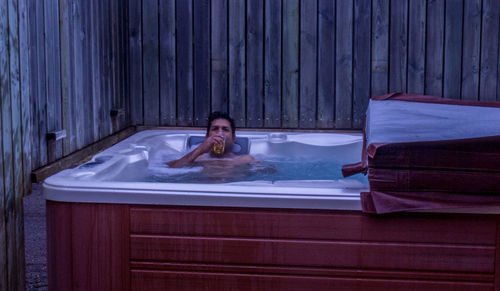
x=220 y=115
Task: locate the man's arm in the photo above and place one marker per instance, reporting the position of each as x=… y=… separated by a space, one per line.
x=187 y=159
x=193 y=155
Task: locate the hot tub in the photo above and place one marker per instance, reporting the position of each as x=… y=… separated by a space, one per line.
x=113 y=225
x=121 y=174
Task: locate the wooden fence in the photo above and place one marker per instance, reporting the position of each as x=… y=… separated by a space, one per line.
x=79 y=73
x=70 y=64
x=15 y=149
x=305 y=64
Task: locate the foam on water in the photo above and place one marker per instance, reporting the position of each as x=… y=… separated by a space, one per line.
x=265 y=168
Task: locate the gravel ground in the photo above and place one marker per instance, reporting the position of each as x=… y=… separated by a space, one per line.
x=35 y=240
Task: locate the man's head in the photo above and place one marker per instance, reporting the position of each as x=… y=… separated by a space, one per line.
x=221 y=124
x=219 y=115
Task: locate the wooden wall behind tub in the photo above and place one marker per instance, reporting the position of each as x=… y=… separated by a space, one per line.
x=305 y=64
x=124 y=247
x=78 y=64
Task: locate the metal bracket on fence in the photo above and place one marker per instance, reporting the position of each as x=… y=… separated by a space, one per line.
x=115 y=114
x=52 y=138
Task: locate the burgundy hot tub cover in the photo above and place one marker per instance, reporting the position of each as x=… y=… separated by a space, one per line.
x=426 y=152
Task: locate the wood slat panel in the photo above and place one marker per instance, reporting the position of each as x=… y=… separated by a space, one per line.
x=343 y=66
x=471 y=49
x=106 y=127
x=219 y=55
x=290 y=63
x=135 y=49
x=8 y=191
x=16 y=254
x=272 y=63
x=5 y=171
x=78 y=113
x=403 y=256
x=303 y=271
x=435 y=48
x=380 y=47
x=255 y=65
x=151 y=59
x=315 y=225
x=33 y=71
x=67 y=73
x=85 y=36
x=398 y=46
x=308 y=63
x=59 y=245
x=155 y=280
x=417 y=46
x=201 y=62
x=96 y=71
x=184 y=57
x=88 y=246
x=453 y=48
x=361 y=65
x=237 y=62
x=326 y=64
x=489 y=50
x=24 y=54
x=168 y=78
x=39 y=100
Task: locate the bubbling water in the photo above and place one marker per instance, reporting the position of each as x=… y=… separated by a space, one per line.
x=268 y=168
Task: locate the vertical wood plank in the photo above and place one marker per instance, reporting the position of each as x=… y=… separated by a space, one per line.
x=435 y=48
x=79 y=103
x=53 y=73
x=362 y=32
x=398 y=46
x=344 y=57
x=471 y=49
x=6 y=154
x=9 y=195
x=290 y=61
x=201 y=62
x=219 y=50
x=237 y=65
x=96 y=70
x=489 y=50
x=18 y=262
x=108 y=57
x=85 y=35
x=326 y=64
x=105 y=27
x=135 y=42
x=67 y=97
x=453 y=48
x=25 y=94
x=115 y=59
x=380 y=47
x=59 y=247
x=41 y=102
x=151 y=60
x=184 y=42
x=33 y=71
x=168 y=56
x=255 y=66
x=272 y=63
x=308 y=63
x=416 y=46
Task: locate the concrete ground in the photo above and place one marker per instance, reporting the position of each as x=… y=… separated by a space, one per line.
x=35 y=240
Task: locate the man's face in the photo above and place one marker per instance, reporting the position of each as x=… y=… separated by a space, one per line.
x=222 y=126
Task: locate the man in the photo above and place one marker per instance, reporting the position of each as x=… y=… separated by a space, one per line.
x=220 y=134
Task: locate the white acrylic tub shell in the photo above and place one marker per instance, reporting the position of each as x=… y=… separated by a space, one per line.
x=101 y=179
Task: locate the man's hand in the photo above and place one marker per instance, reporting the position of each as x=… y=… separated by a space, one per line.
x=209 y=143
